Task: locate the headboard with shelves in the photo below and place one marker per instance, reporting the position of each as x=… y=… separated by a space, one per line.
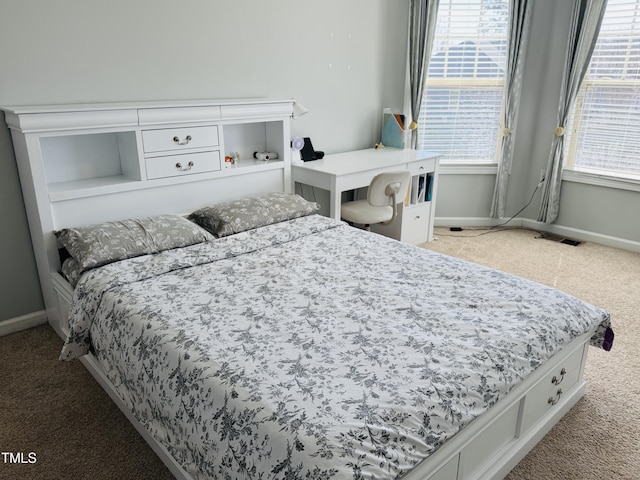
x=91 y=163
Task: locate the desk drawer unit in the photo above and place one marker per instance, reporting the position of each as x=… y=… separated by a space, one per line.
x=415 y=223
x=184 y=164
x=177 y=139
x=410 y=226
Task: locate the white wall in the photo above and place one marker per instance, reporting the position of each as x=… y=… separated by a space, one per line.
x=344 y=60
x=330 y=55
x=19 y=286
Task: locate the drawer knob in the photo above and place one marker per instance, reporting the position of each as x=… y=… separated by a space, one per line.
x=553 y=401
x=184 y=169
x=186 y=140
x=555 y=380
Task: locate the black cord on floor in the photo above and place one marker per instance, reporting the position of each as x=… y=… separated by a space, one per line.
x=494 y=228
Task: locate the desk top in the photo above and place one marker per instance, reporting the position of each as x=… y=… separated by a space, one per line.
x=362 y=160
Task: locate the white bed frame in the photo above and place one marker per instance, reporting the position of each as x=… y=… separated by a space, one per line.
x=83 y=164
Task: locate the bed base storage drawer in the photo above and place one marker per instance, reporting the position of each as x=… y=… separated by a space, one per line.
x=449 y=471
x=489 y=443
x=186 y=164
x=176 y=139
x=64 y=297
x=551 y=390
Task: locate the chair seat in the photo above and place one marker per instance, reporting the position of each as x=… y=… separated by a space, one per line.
x=361 y=212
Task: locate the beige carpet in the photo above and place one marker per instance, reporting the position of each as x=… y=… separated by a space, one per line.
x=600 y=437
x=58 y=411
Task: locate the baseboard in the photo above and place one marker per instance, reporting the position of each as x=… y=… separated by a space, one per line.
x=568 y=232
x=583 y=235
x=23 y=322
x=473 y=222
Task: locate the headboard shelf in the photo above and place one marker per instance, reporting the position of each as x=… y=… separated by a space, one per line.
x=90 y=163
x=89 y=187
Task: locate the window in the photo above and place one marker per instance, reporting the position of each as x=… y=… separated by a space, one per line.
x=605 y=125
x=460 y=114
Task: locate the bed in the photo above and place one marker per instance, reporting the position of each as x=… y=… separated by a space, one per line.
x=294 y=346
x=301 y=347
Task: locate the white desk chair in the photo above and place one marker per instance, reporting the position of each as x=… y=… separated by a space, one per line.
x=386 y=191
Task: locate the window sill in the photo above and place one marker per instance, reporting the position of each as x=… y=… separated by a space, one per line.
x=594 y=177
x=468 y=168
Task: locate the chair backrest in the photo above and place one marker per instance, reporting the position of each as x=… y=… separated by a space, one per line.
x=385 y=186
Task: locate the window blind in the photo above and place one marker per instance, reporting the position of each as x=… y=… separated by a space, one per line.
x=460 y=113
x=605 y=125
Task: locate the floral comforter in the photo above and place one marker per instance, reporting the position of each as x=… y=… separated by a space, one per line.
x=309 y=349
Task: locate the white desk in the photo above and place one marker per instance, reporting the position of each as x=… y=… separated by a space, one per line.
x=341 y=172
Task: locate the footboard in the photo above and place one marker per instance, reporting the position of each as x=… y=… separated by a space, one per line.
x=495 y=442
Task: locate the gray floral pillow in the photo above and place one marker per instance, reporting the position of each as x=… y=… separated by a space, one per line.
x=108 y=242
x=71 y=271
x=252 y=212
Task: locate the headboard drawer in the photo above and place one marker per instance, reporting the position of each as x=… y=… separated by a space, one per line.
x=175 y=139
x=184 y=164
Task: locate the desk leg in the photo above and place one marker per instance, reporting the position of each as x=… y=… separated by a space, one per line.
x=335 y=201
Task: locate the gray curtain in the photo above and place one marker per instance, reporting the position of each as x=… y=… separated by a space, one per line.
x=519 y=21
x=422 y=27
x=585 y=25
